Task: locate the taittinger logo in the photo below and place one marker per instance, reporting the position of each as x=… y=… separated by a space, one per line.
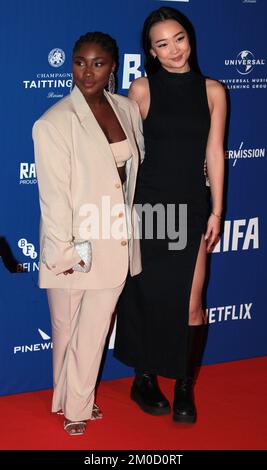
x=56 y=57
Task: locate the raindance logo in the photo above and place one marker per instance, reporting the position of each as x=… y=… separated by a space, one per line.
x=242 y=153
x=24 y=348
x=56 y=57
x=27 y=173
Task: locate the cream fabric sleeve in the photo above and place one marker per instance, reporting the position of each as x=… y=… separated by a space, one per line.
x=52 y=157
x=138 y=129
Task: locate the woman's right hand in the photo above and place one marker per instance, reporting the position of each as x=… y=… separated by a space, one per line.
x=70 y=271
x=212 y=234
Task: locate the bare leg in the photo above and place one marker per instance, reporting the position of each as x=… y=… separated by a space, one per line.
x=184 y=410
x=196 y=313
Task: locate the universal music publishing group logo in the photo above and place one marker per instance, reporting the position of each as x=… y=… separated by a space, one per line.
x=245 y=63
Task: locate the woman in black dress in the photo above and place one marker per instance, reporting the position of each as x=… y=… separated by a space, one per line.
x=161 y=324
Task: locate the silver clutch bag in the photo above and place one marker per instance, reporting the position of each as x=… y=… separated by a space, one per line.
x=84 y=250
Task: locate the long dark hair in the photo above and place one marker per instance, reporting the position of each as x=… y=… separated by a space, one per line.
x=162 y=14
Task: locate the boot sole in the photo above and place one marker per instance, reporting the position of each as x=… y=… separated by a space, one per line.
x=150 y=409
x=184 y=419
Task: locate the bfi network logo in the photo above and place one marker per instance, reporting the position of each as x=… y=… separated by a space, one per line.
x=28 y=250
x=36 y=347
x=27 y=173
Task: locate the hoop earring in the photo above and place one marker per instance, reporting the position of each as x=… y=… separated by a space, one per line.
x=111 y=83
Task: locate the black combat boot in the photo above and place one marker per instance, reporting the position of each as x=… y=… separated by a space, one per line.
x=184 y=409
x=147 y=394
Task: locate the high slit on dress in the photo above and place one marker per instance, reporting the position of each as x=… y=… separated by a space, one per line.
x=153 y=309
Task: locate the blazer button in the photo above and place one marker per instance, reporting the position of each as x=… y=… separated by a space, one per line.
x=120 y=214
x=123 y=243
x=117 y=185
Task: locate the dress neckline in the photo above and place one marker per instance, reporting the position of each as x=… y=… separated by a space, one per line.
x=177 y=76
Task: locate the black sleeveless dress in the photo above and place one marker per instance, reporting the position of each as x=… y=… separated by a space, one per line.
x=154 y=306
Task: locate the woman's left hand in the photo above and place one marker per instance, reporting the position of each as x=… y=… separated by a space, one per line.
x=212 y=234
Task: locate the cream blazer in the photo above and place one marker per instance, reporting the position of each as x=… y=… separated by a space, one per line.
x=75 y=168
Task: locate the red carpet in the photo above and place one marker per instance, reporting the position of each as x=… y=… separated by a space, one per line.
x=232 y=414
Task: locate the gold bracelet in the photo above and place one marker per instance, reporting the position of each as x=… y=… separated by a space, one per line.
x=216 y=215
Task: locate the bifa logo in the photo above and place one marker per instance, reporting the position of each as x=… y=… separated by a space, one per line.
x=131 y=71
x=28 y=249
x=45 y=345
x=239 y=235
x=27 y=173
x=229 y=313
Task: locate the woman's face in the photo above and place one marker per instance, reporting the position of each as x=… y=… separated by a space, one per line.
x=170 y=44
x=91 y=67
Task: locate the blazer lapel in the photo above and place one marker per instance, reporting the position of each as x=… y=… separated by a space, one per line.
x=131 y=165
x=123 y=120
x=90 y=124
x=98 y=138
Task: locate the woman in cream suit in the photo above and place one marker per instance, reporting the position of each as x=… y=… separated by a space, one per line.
x=86 y=152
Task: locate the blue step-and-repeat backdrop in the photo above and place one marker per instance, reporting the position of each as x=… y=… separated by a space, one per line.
x=36 y=43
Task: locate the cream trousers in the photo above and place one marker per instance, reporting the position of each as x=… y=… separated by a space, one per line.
x=80 y=323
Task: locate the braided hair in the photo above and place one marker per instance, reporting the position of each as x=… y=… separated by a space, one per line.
x=104 y=40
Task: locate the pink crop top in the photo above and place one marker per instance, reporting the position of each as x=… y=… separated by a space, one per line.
x=121 y=152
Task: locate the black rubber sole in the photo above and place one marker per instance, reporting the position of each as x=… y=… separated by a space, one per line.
x=184 y=419
x=149 y=409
